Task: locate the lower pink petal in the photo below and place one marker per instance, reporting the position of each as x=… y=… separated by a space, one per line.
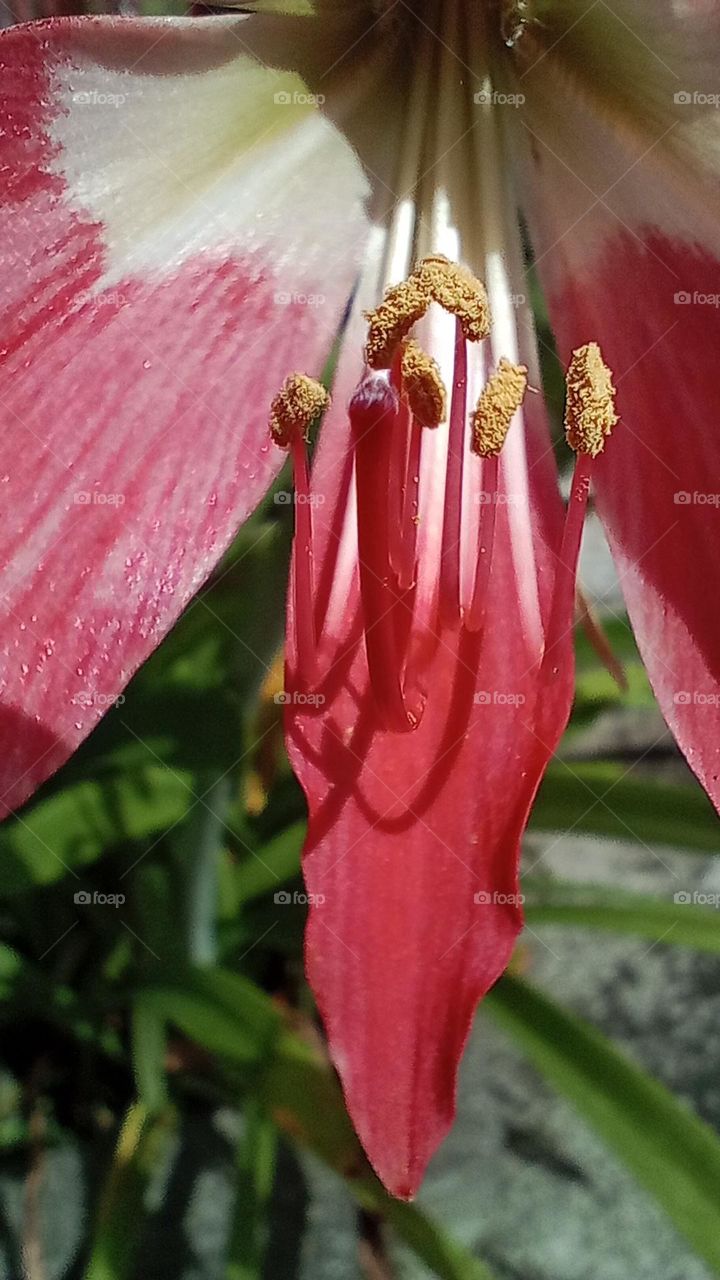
x=412 y=850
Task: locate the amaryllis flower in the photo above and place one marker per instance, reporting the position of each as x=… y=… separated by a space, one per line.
x=188 y=207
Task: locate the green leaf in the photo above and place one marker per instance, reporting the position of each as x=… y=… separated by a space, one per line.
x=121 y=1215
x=219 y=1010
x=271 y=865
x=597 y=907
x=603 y=799
x=255 y=1164
x=149 y=1042
x=73 y=827
x=664 y=1144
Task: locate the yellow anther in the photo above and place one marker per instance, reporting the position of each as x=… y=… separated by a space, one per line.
x=590 y=403
x=295 y=407
x=501 y=398
x=459 y=292
x=422 y=385
x=403 y=305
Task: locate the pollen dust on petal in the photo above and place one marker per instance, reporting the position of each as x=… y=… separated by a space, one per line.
x=296 y=406
x=422 y=385
x=590 y=404
x=500 y=399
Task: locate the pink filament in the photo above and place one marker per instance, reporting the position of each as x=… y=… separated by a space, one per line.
x=303 y=577
x=452 y=521
x=475 y=618
x=562 y=610
x=409 y=522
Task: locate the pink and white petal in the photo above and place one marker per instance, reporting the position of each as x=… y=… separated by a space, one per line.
x=162 y=241
x=413 y=840
x=623 y=217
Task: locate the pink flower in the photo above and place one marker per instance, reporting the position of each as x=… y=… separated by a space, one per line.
x=188 y=206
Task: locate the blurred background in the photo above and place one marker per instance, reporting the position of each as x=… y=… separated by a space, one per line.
x=167 y=1110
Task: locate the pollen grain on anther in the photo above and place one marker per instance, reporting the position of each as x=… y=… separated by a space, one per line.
x=422 y=385
x=590 y=403
x=391 y=321
x=501 y=398
x=458 y=291
x=300 y=401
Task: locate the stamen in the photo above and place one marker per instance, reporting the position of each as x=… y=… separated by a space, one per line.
x=459 y=292
x=292 y=413
x=589 y=418
x=500 y=400
x=590 y=407
x=295 y=408
x=402 y=306
x=422 y=385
